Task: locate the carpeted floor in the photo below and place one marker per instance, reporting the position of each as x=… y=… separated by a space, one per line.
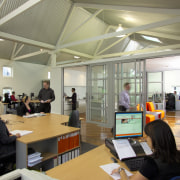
x=85 y=147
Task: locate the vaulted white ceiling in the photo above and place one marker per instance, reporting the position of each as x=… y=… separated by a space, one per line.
x=34 y=29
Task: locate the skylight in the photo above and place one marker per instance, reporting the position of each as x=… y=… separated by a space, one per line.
x=149 y=38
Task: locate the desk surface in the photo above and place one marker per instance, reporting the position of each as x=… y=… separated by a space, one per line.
x=85 y=166
x=43 y=127
x=32 y=101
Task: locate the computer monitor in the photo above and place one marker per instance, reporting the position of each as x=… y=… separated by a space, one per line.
x=128 y=124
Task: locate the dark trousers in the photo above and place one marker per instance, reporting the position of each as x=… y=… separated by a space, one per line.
x=74 y=106
x=45 y=107
x=122 y=108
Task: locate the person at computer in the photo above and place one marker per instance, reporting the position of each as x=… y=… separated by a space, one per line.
x=13 y=96
x=124 y=100
x=26 y=108
x=164 y=163
x=74 y=98
x=7 y=141
x=46 y=96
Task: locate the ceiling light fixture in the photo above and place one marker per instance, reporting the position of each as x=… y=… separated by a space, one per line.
x=1 y=39
x=41 y=50
x=149 y=38
x=120 y=28
x=128 y=18
x=76 y=57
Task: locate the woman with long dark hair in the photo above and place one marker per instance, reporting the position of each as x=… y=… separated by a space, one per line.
x=164 y=163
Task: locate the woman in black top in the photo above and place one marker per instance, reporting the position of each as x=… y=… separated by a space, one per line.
x=7 y=99
x=26 y=108
x=164 y=163
x=7 y=142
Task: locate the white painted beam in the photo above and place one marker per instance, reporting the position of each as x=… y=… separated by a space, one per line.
x=129 y=8
x=113 y=44
x=69 y=61
x=15 y=38
x=146 y=50
x=17 y=52
x=65 y=25
x=18 y=11
x=160 y=35
x=30 y=55
x=126 y=31
x=2 y=3
x=126 y=58
x=13 y=51
x=82 y=24
x=69 y=51
x=101 y=41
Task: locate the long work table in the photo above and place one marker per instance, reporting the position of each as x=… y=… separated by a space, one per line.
x=50 y=136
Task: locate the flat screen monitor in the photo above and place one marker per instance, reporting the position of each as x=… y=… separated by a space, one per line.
x=128 y=124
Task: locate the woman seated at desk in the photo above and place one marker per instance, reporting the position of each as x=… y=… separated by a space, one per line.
x=164 y=163
x=26 y=108
x=7 y=142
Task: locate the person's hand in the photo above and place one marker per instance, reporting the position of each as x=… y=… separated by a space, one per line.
x=18 y=135
x=27 y=114
x=115 y=171
x=41 y=112
x=42 y=101
x=48 y=101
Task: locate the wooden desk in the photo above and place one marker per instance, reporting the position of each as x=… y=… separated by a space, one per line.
x=46 y=131
x=85 y=166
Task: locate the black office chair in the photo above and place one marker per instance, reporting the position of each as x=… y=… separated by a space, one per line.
x=5 y=161
x=74 y=120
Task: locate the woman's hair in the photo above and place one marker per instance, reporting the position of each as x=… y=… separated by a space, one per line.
x=25 y=98
x=163 y=141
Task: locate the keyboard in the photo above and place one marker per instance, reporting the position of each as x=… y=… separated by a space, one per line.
x=146 y=148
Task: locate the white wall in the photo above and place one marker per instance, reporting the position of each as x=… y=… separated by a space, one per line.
x=26 y=78
x=56 y=82
x=75 y=79
x=171 y=79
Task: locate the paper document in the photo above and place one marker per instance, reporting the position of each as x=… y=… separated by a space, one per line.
x=21 y=132
x=34 y=115
x=34 y=155
x=123 y=149
x=108 y=168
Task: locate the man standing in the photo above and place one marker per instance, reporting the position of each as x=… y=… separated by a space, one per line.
x=74 y=98
x=46 y=96
x=124 y=100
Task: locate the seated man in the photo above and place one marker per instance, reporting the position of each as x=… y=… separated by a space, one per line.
x=7 y=143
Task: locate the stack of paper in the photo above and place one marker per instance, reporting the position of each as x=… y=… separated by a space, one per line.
x=21 y=132
x=34 y=115
x=34 y=159
x=123 y=149
x=108 y=168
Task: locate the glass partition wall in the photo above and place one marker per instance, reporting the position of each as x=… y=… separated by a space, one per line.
x=104 y=84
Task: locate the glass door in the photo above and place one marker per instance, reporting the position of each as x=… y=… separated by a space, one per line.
x=155 y=90
x=97 y=93
x=133 y=73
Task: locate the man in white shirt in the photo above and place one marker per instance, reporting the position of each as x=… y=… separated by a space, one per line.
x=124 y=99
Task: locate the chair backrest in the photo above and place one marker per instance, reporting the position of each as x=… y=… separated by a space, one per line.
x=138 y=107
x=150 y=106
x=74 y=119
x=175 y=178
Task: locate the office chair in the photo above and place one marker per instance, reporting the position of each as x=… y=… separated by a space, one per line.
x=74 y=119
x=5 y=161
x=175 y=178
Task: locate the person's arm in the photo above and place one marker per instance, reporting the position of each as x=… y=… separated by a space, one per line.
x=53 y=96
x=4 y=134
x=40 y=95
x=137 y=176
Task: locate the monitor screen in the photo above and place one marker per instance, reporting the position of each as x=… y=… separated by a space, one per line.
x=128 y=124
